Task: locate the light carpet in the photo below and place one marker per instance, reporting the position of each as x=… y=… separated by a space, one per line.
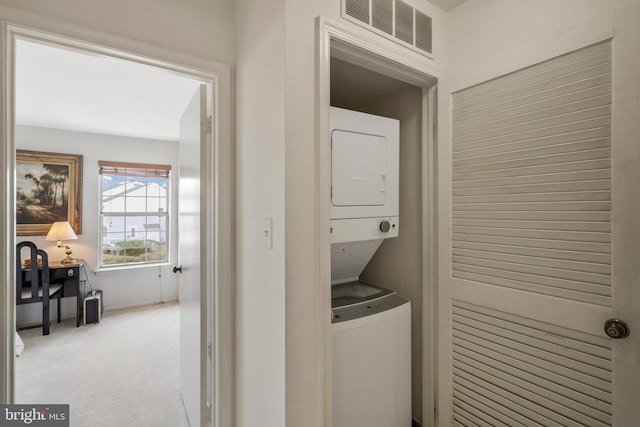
x=123 y=371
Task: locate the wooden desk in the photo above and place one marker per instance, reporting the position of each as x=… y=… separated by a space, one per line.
x=68 y=275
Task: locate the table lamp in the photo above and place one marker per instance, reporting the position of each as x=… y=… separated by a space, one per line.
x=60 y=231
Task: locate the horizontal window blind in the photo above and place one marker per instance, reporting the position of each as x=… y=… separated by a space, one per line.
x=531 y=179
x=139 y=170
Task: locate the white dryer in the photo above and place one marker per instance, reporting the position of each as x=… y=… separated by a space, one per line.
x=364 y=188
x=364 y=176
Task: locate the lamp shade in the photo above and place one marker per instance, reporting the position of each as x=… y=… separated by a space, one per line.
x=61 y=230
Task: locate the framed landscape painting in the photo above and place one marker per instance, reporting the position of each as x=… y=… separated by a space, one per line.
x=48 y=189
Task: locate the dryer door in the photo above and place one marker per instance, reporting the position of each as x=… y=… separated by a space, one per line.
x=358 y=169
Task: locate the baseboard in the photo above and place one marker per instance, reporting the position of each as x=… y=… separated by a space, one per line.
x=138 y=305
x=32 y=325
x=26 y=326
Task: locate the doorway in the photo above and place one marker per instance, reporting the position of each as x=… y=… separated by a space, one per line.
x=397 y=263
x=357 y=73
x=214 y=285
x=95 y=106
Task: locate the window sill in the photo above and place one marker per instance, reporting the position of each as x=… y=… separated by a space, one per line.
x=114 y=269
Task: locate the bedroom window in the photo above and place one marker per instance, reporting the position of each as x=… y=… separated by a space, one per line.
x=134 y=213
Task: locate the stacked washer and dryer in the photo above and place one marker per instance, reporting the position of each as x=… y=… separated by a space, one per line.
x=371 y=325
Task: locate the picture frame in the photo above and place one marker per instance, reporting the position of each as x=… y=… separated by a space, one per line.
x=48 y=189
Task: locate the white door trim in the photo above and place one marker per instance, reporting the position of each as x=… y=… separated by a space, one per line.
x=217 y=190
x=370 y=51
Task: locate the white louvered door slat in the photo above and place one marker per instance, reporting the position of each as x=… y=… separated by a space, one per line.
x=585 y=90
x=534 y=244
x=560 y=265
x=545 y=166
x=550 y=142
x=512 y=408
x=543 y=400
x=469 y=400
x=517 y=152
x=542 y=159
x=543 y=130
x=543 y=253
x=554 y=178
x=581 y=382
x=595 y=237
x=544 y=74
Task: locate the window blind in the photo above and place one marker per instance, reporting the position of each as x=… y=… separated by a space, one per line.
x=140 y=170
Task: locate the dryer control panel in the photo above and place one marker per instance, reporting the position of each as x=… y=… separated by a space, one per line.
x=357 y=229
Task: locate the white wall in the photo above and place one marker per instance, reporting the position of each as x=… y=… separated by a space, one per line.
x=489 y=38
x=122 y=288
x=203 y=28
x=260 y=139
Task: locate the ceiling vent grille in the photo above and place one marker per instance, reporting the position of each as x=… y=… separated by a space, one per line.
x=394 y=19
x=382 y=15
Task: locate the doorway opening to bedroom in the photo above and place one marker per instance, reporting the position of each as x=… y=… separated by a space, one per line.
x=119 y=114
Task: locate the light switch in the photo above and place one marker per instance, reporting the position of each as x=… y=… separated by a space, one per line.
x=267 y=233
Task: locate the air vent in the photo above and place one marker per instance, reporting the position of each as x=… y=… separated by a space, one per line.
x=423 y=31
x=394 y=19
x=358 y=9
x=382 y=15
x=404 y=22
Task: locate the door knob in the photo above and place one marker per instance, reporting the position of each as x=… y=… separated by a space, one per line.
x=616 y=328
x=177 y=269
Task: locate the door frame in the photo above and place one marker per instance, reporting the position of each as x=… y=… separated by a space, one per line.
x=217 y=171
x=365 y=49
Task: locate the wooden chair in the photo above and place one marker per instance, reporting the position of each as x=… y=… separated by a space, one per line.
x=32 y=283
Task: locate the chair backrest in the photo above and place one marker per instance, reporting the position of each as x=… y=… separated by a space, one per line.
x=35 y=278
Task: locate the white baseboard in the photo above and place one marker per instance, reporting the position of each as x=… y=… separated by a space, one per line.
x=138 y=305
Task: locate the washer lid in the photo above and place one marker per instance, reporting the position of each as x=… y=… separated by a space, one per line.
x=356 y=292
x=370 y=308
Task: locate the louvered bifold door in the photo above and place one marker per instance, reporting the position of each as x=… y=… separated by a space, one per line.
x=531 y=245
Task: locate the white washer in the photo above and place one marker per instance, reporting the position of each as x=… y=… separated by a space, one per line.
x=371 y=357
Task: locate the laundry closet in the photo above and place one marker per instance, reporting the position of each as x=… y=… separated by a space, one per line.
x=391 y=257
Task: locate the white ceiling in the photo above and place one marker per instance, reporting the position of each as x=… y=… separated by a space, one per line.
x=66 y=89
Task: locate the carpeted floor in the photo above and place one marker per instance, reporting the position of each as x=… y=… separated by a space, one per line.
x=121 y=372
